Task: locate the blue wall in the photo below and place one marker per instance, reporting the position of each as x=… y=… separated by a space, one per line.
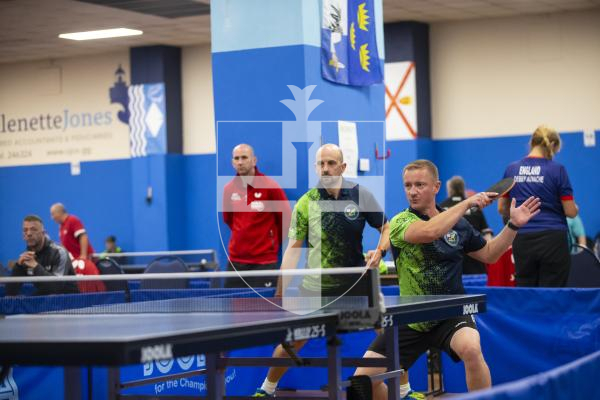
x=202 y=223
x=249 y=86
x=103 y=194
x=482 y=162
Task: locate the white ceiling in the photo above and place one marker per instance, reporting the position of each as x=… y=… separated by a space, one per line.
x=29 y=28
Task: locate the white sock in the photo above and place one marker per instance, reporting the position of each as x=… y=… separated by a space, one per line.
x=269 y=386
x=404 y=389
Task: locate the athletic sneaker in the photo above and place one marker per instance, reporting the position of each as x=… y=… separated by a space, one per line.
x=412 y=395
x=262 y=393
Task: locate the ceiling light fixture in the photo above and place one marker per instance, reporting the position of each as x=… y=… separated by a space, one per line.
x=101 y=34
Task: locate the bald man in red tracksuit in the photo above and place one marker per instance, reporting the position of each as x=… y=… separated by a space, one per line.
x=257 y=211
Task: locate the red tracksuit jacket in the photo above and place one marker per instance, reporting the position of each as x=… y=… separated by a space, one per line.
x=258 y=215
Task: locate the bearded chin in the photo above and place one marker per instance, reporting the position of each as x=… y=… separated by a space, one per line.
x=329 y=181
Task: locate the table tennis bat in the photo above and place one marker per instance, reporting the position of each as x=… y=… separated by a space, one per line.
x=501 y=187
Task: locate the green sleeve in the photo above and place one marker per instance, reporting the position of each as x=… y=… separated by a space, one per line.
x=399 y=225
x=299 y=223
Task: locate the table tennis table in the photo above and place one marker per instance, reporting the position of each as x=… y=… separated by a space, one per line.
x=121 y=339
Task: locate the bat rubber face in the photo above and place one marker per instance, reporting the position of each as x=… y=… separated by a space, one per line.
x=502 y=186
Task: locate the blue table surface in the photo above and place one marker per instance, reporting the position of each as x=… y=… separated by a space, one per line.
x=106 y=326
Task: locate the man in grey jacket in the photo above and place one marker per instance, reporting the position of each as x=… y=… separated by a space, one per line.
x=43 y=257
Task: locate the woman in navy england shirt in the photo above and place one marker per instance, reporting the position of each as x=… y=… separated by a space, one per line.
x=541 y=249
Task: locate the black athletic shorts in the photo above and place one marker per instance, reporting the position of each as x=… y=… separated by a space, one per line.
x=542 y=259
x=414 y=343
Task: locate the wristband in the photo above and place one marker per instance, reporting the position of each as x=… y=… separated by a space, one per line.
x=383 y=252
x=512 y=226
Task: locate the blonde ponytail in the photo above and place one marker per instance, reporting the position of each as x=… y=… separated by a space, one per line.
x=548 y=139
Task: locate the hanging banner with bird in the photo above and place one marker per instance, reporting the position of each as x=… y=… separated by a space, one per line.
x=348 y=43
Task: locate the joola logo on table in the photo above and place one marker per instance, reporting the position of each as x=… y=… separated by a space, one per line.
x=469 y=309
x=157 y=352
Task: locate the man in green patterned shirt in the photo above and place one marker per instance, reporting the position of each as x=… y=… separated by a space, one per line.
x=331 y=218
x=429 y=245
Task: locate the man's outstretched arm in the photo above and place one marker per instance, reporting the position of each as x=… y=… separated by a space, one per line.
x=439 y=225
x=518 y=217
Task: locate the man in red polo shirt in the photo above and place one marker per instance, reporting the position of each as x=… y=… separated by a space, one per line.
x=72 y=233
x=257 y=211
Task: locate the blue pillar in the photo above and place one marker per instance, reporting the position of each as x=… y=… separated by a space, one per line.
x=267 y=51
x=157 y=180
x=162 y=64
x=409 y=41
x=253 y=64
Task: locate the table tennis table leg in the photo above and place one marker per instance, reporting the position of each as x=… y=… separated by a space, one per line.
x=393 y=361
x=72 y=383
x=334 y=369
x=215 y=377
x=114 y=383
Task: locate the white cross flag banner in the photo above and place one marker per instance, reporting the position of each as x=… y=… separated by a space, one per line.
x=400 y=101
